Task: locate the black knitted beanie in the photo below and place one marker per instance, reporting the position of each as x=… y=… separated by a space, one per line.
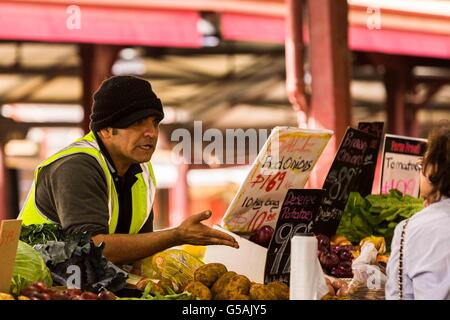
x=122 y=100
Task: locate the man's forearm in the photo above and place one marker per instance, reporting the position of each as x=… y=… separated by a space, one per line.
x=125 y=248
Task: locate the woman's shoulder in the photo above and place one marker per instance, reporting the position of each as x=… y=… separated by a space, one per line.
x=432 y=217
x=433 y=212
x=432 y=222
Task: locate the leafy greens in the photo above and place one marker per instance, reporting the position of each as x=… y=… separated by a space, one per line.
x=376 y=215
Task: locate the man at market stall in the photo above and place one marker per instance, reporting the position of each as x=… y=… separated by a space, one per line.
x=103 y=183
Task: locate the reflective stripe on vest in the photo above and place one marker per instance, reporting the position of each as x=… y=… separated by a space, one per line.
x=143 y=191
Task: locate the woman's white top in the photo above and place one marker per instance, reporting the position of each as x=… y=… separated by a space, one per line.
x=426 y=255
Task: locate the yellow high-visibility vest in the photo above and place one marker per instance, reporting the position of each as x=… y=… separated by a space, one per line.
x=143 y=191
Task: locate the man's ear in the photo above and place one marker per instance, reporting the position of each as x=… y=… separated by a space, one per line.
x=106 y=133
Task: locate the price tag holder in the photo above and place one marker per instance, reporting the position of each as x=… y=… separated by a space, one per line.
x=9 y=240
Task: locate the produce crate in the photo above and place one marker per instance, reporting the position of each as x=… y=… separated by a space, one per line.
x=367 y=294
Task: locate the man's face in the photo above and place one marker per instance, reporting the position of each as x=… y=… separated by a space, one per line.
x=136 y=143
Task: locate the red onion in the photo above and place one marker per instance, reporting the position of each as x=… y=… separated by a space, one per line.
x=262 y=236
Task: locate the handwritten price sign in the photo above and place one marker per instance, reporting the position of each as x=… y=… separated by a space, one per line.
x=297 y=216
x=345 y=176
x=285 y=161
x=370 y=160
x=400 y=170
x=407 y=186
x=269 y=182
x=339 y=190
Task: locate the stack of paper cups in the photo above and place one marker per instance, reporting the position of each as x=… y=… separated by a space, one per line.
x=304 y=268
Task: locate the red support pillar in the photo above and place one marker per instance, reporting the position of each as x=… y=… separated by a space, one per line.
x=97 y=61
x=395 y=81
x=294 y=60
x=330 y=71
x=412 y=123
x=3 y=205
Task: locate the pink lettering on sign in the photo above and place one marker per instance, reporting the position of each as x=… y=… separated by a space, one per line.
x=405 y=186
x=344 y=156
x=354 y=143
x=296 y=145
x=300 y=200
x=296 y=213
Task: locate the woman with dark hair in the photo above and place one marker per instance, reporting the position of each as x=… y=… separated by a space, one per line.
x=419 y=265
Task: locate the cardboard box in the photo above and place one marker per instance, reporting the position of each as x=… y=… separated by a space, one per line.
x=9 y=240
x=249 y=260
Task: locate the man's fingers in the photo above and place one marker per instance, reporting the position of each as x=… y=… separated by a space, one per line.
x=197 y=218
x=223 y=236
x=217 y=241
x=207 y=235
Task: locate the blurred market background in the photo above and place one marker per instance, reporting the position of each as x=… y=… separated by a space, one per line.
x=222 y=62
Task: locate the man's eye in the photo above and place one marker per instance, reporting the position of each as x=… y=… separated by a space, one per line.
x=139 y=122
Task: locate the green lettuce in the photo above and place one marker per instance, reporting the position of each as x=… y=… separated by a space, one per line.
x=29 y=268
x=376 y=215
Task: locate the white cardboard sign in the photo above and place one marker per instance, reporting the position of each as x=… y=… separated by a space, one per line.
x=285 y=162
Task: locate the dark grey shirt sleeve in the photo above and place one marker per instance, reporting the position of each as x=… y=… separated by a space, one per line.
x=73 y=192
x=148 y=225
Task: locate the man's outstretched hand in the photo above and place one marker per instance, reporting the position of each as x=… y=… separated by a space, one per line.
x=192 y=231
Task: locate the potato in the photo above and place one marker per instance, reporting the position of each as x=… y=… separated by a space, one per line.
x=281 y=289
x=237 y=284
x=262 y=292
x=338 y=240
x=209 y=273
x=238 y=296
x=220 y=284
x=198 y=290
x=6 y=296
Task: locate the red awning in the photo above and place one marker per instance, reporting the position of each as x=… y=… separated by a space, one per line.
x=244 y=27
x=107 y=25
x=163 y=26
x=400 y=42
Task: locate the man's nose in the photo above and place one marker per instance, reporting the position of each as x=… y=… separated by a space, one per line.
x=151 y=130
